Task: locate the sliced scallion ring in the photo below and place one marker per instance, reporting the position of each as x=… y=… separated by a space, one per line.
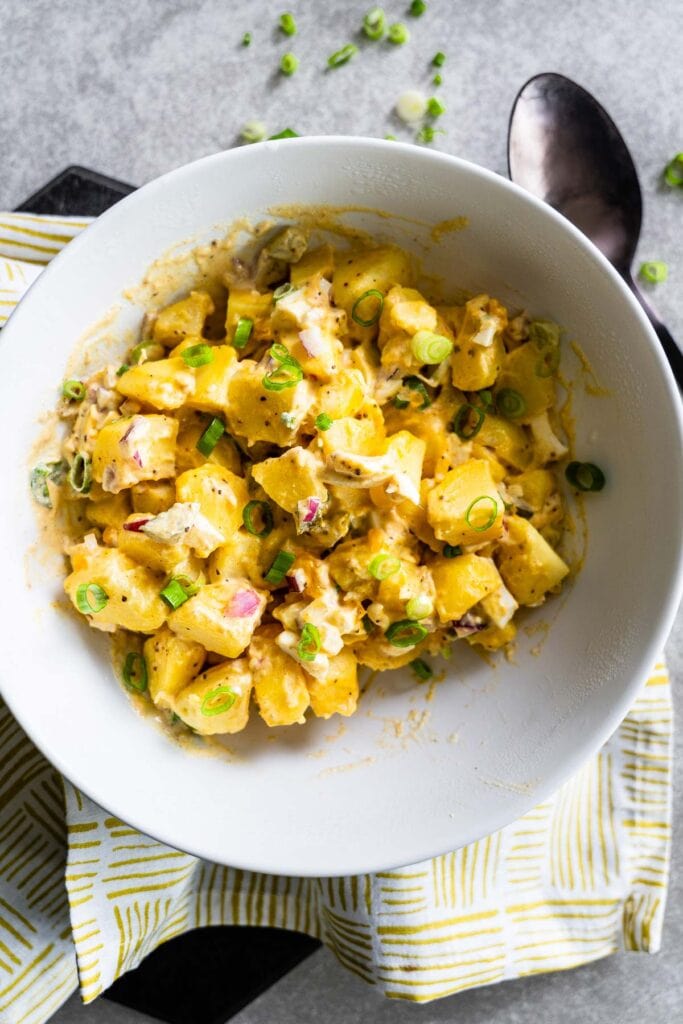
x=451 y=550
x=198 y=355
x=585 y=476
x=135 y=671
x=372 y=302
x=468 y=421
x=416 y=385
x=91 y=598
x=210 y=438
x=73 y=390
x=284 y=560
x=287 y=374
x=174 y=593
x=342 y=56
x=288 y=24
x=374 y=23
x=323 y=421
x=510 y=403
x=398 y=33
x=288 y=64
x=405 y=633
x=673 y=172
x=243 y=331
x=217 y=701
x=428 y=347
x=263 y=509
x=383 y=566
x=654 y=271
x=476 y=508
x=310 y=642
x=80 y=473
x=421 y=669
x=420 y=607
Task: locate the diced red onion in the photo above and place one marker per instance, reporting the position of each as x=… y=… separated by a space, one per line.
x=312 y=508
x=137 y=458
x=137 y=525
x=467 y=626
x=242 y=604
x=125 y=438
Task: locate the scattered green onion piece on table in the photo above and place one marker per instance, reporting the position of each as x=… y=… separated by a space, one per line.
x=80 y=473
x=654 y=271
x=417 y=8
x=405 y=633
x=398 y=34
x=451 y=550
x=510 y=403
x=243 y=331
x=323 y=421
x=217 y=701
x=73 y=390
x=585 y=476
x=437 y=80
x=544 y=334
x=286 y=133
x=174 y=593
x=246 y=39
x=282 y=291
x=135 y=671
x=435 y=107
x=309 y=645
x=288 y=24
x=430 y=348
x=462 y=421
x=374 y=23
x=288 y=63
x=421 y=669
x=123 y=368
x=197 y=355
x=253 y=131
x=428 y=133
x=383 y=566
x=266 y=513
x=390 y=138
x=284 y=560
x=549 y=363
x=673 y=172
x=211 y=436
x=439 y=59
x=342 y=56
x=375 y=300
x=91 y=598
x=477 y=506
x=420 y=607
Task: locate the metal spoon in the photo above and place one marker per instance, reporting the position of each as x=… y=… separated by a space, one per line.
x=565 y=148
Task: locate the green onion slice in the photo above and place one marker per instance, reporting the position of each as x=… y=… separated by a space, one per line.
x=211 y=436
x=91 y=598
x=374 y=23
x=323 y=421
x=421 y=669
x=287 y=374
x=451 y=550
x=654 y=271
x=405 y=633
x=135 y=671
x=420 y=607
x=544 y=334
x=309 y=645
x=585 y=476
x=218 y=700
x=475 y=510
x=288 y=63
x=486 y=398
x=342 y=56
x=197 y=355
x=435 y=107
x=245 y=326
x=288 y=24
x=428 y=133
x=430 y=348
x=437 y=80
x=73 y=390
x=123 y=368
x=80 y=473
x=468 y=421
x=398 y=33
x=40 y=475
x=284 y=560
x=416 y=385
x=375 y=305
x=189 y=585
x=383 y=566
x=246 y=39
x=439 y=59
x=266 y=513
x=368 y=624
x=417 y=8
x=286 y=133
x=549 y=363
x=510 y=403
x=253 y=131
x=673 y=172
x=174 y=593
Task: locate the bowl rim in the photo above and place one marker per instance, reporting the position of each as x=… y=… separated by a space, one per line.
x=643 y=665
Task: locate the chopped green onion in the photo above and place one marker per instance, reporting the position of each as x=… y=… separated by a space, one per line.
x=197 y=355
x=253 y=131
x=510 y=403
x=174 y=593
x=342 y=56
x=585 y=476
x=415 y=384
x=211 y=436
x=283 y=290
x=309 y=645
x=428 y=133
x=287 y=374
x=123 y=368
x=284 y=560
x=266 y=513
x=673 y=172
x=368 y=624
x=246 y=39
x=398 y=34
x=417 y=8
x=420 y=607
x=286 y=133
x=384 y=566
x=218 y=700
x=288 y=63
x=190 y=586
x=544 y=333
x=451 y=550
x=478 y=506
x=405 y=633
x=437 y=80
x=73 y=390
x=390 y=138
x=375 y=311
x=80 y=473
x=549 y=363
x=323 y=421
x=374 y=23
x=439 y=59
x=40 y=475
x=435 y=107
x=428 y=347
x=91 y=598
x=140 y=350
x=654 y=271
x=135 y=671
x=243 y=331
x=462 y=422
x=486 y=398
x=288 y=24
x=411 y=106
x=421 y=669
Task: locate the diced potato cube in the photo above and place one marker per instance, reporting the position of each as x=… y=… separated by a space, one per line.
x=209 y=617
x=494 y=637
x=250 y=304
x=430 y=424
x=407 y=452
x=353 y=435
x=183 y=318
x=378 y=654
x=405 y=311
x=344 y=397
x=291 y=478
x=153 y=496
x=163 y=384
x=508 y=440
x=317 y=262
x=172 y=663
x=108 y=509
x=519 y=374
x=145 y=550
x=188 y=455
x=133 y=449
x=528 y=565
x=461 y=583
x=243 y=554
x=336 y=693
x=326 y=363
x=132 y=591
x=211 y=381
x=221 y=494
x=261 y=415
x=279 y=683
x=410 y=581
x=217 y=702
x=367 y=269
x=479 y=352
x=537 y=486
x=465 y=507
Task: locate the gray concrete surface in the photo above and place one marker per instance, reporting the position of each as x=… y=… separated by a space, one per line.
x=134 y=89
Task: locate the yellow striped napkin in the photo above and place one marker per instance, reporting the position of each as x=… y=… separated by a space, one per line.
x=84 y=897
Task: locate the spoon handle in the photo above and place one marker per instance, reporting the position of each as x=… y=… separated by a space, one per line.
x=671 y=349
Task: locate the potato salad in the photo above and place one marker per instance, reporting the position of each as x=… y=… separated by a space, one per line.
x=305 y=467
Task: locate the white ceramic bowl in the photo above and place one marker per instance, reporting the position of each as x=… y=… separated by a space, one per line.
x=345 y=797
